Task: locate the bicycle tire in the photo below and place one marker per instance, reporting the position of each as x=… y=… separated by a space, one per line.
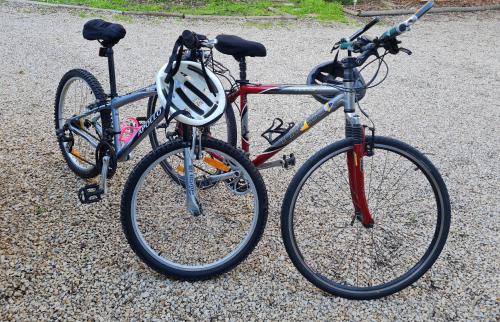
x=143 y=249
x=394 y=285
x=97 y=91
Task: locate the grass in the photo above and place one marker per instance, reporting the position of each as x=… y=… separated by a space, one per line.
x=40 y=210
x=122 y=18
x=258 y=24
x=120 y=5
x=319 y=9
x=322 y=10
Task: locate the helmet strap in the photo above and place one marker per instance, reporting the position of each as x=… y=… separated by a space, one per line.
x=336 y=59
x=175 y=56
x=207 y=80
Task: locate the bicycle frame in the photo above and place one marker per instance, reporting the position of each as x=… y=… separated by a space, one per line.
x=298 y=129
x=341 y=97
x=122 y=151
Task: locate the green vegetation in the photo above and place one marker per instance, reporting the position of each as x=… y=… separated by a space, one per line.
x=323 y=10
x=120 y=5
x=259 y=24
x=228 y=8
x=121 y=18
x=40 y=210
x=319 y=9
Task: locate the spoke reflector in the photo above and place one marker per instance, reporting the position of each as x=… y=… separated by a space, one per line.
x=216 y=164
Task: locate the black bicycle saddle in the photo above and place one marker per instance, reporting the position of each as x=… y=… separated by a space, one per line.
x=239 y=47
x=109 y=34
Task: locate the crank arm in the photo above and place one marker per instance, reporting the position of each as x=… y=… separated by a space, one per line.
x=104 y=174
x=220 y=177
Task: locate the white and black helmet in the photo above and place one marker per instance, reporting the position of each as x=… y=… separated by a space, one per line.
x=331 y=73
x=202 y=103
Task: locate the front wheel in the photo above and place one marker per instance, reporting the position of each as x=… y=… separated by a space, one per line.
x=327 y=242
x=168 y=237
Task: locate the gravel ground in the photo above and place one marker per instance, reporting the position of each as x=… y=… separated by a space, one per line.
x=63 y=260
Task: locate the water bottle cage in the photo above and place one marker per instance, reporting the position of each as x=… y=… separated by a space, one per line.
x=276 y=128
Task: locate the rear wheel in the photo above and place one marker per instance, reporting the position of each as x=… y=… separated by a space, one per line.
x=327 y=242
x=78 y=90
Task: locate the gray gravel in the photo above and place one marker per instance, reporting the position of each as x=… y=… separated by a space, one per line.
x=63 y=260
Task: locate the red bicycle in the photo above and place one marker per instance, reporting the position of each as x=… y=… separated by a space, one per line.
x=365 y=216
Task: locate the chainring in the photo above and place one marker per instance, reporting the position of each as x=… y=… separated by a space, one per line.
x=103 y=149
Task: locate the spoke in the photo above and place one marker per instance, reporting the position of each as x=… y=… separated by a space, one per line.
x=347 y=211
x=339 y=168
x=383 y=171
x=385 y=176
x=357 y=253
x=405 y=202
x=370 y=180
x=396 y=188
x=337 y=184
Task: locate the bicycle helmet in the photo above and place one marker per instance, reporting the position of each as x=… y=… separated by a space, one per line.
x=332 y=73
x=192 y=94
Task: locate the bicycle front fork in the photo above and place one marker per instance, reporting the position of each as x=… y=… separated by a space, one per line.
x=190 y=152
x=356 y=131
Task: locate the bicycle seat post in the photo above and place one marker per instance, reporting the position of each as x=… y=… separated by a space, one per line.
x=243 y=70
x=108 y=52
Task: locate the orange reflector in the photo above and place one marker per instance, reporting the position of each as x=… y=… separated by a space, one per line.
x=180 y=169
x=76 y=153
x=216 y=164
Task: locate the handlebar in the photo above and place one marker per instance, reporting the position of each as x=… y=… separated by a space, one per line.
x=367 y=46
x=364 y=29
x=192 y=40
x=404 y=26
x=189 y=39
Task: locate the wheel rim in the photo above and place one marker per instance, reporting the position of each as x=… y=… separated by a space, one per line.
x=76 y=96
x=156 y=247
x=330 y=279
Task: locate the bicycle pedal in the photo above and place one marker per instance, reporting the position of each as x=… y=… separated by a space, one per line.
x=288 y=161
x=90 y=193
x=141 y=120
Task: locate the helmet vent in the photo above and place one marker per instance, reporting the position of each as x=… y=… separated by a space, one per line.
x=188 y=102
x=198 y=93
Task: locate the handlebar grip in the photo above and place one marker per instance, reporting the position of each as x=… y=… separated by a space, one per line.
x=201 y=37
x=372 y=23
x=404 y=26
x=364 y=29
x=422 y=11
x=189 y=39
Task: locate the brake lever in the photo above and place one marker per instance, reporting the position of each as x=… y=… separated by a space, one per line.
x=337 y=45
x=406 y=51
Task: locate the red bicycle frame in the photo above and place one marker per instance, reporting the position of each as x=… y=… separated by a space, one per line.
x=354 y=157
